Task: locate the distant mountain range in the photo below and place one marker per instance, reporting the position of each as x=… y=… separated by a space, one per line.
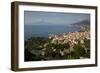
x=82 y=23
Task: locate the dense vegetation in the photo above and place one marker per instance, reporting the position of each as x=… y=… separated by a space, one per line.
x=40 y=48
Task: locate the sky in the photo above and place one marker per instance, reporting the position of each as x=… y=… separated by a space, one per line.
x=53 y=18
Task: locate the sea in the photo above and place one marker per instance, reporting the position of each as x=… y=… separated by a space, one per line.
x=46 y=30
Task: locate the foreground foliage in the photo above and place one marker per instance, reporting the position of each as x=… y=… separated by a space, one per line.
x=40 y=48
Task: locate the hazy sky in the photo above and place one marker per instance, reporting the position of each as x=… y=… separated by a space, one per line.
x=57 y=18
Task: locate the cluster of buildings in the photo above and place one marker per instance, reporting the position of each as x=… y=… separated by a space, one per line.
x=71 y=37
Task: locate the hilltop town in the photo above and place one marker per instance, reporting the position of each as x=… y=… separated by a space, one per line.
x=71 y=37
